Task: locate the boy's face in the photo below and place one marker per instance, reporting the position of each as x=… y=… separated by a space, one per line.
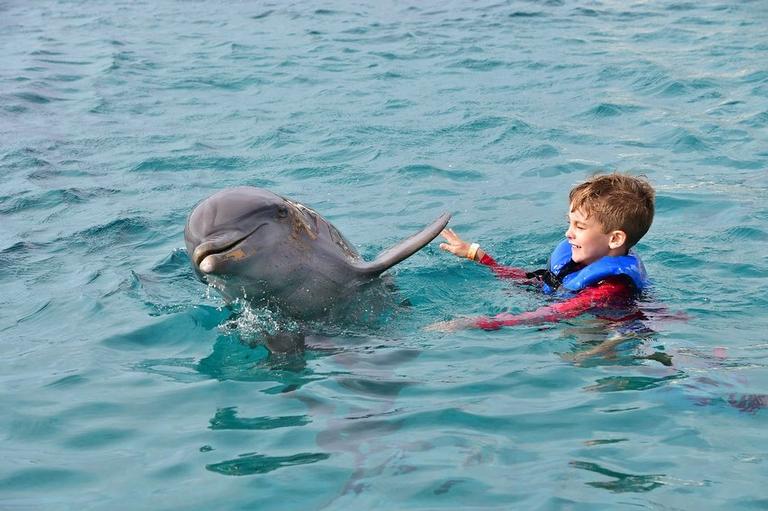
x=588 y=241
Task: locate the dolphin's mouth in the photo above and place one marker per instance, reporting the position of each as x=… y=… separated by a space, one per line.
x=218 y=246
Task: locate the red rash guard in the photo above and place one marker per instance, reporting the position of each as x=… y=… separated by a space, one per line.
x=611 y=292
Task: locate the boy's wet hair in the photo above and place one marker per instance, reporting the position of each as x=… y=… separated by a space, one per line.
x=618 y=202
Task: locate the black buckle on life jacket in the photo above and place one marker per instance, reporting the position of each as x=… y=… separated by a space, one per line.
x=545 y=276
x=553 y=280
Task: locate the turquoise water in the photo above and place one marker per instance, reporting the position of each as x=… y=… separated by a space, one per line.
x=127 y=385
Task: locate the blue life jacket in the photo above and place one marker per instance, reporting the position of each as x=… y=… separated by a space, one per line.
x=561 y=273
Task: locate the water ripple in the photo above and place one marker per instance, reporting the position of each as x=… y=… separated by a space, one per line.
x=253 y=463
x=42 y=477
x=607 y=110
x=186 y=163
x=227 y=418
x=429 y=171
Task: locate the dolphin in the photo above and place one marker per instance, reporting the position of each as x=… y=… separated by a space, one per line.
x=251 y=243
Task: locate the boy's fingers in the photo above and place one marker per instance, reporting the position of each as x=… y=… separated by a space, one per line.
x=450 y=239
x=448 y=247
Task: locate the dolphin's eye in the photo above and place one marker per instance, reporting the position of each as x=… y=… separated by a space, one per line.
x=282 y=212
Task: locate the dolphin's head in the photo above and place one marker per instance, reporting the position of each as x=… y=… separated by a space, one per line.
x=239 y=234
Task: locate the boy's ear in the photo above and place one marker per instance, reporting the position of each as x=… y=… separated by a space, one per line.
x=618 y=238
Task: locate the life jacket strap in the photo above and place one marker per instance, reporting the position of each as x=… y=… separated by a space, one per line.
x=552 y=279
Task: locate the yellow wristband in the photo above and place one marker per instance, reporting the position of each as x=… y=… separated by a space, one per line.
x=472 y=252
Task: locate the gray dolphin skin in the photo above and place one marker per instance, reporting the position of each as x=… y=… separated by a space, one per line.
x=249 y=242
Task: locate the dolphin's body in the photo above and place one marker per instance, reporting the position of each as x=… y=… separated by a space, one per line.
x=249 y=242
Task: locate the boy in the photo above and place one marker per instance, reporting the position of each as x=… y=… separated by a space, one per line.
x=593 y=267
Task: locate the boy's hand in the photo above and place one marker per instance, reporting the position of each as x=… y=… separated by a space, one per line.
x=450 y=325
x=455 y=245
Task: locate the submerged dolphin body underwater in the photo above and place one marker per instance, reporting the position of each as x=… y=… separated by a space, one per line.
x=251 y=243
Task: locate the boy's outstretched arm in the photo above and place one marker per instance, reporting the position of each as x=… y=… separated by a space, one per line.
x=460 y=248
x=609 y=292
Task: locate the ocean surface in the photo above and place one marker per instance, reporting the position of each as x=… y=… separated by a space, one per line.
x=128 y=384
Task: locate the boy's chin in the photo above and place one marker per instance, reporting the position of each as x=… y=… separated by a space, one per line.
x=581 y=259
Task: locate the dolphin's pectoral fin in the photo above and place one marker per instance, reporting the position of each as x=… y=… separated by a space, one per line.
x=404 y=249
